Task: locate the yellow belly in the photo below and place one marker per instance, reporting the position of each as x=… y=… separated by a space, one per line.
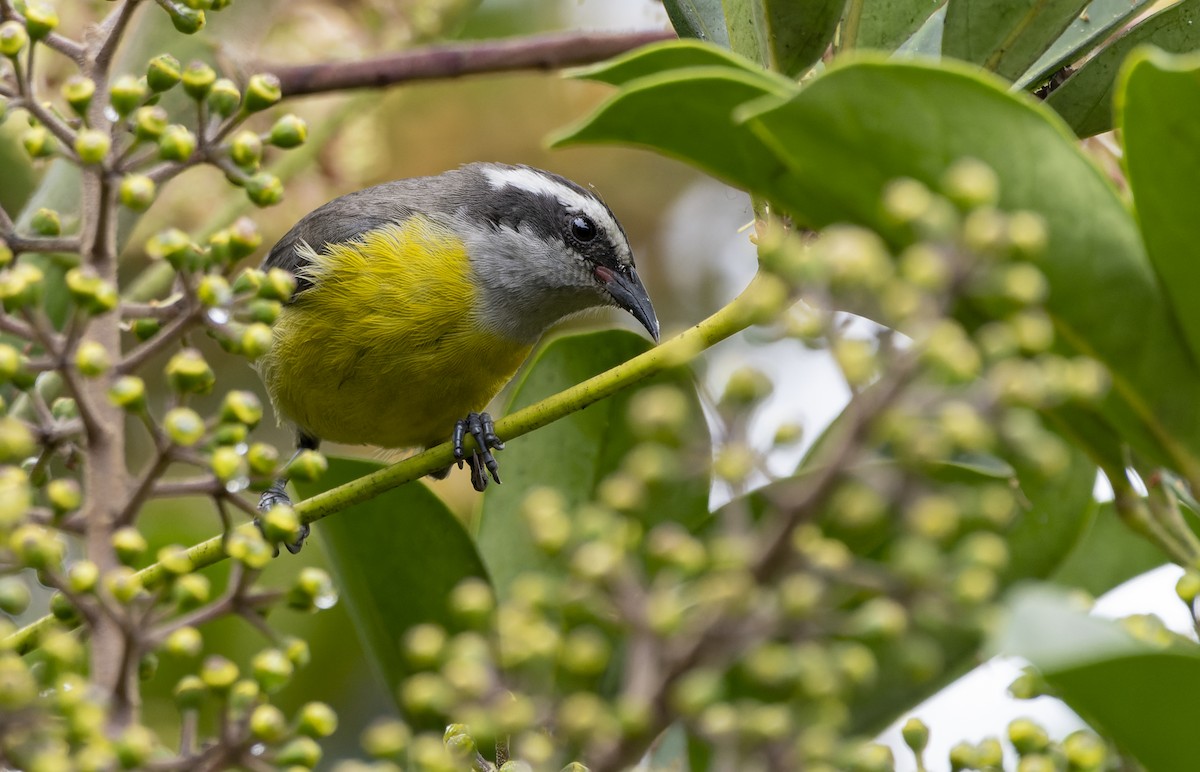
x=387 y=347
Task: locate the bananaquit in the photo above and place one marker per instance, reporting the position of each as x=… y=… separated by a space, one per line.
x=417 y=300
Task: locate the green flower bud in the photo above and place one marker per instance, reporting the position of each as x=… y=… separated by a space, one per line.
x=148 y=666
x=163 y=73
x=280 y=524
x=149 y=123
x=145 y=329
x=16 y=495
x=214 y=291
x=186 y=20
x=64 y=495
x=262 y=459
x=218 y=673
x=879 y=619
x=82 y=576
x=244 y=695
x=92 y=145
x=13 y=39
x=224 y=97
x=46 y=222
x=385 y=739
x=126 y=94
x=424 y=645
x=264 y=189
x=272 y=669
x=297 y=650
x=38 y=142
x=89 y=291
x=92 y=359
x=1085 y=751
x=971 y=183
x=697 y=690
x=300 y=752
x=1027 y=736
x=198 y=79
x=249 y=280
x=586 y=652
x=245 y=149
x=185 y=643
x=10 y=362
x=745 y=387
x=176 y=143
x=137 y=192
x=288 y=132
x=172 y=245
x=17 y=442
x=191 y=591
x=472 y=601
x=230 y=435
x=40 y=19
x=316 y=720
x=134 y=746
x=128 y=393
x=267 y=723
x=78 y=92
x=184 y=426
x=1028 y=235
x=249 y=549
x=14 y=595
x=313 y=589
x=256 y=340
x=227 y=464
x=261 y=92
x=123 y=584
x=174 y=560
x=244 y=238
x=307 y=466
x=63 y=610
x=915 y=734
x=189 y=373
x=18 y=687
x=189 y=692
x=129 y=544
x=277 y=285
x=461 y=746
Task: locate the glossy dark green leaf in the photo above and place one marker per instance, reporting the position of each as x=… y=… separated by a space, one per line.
x=860 y=125
x=674 y=55
x=1139 y=694
x=688 y=114
x=395 y=558
x=575 y=454
x=1158 y=111
x=885 y=24
x=1108 y=554
x=700 y=19
x=788 y=36
x=1085 y=100
x=1100 y=19
x=1005 y=36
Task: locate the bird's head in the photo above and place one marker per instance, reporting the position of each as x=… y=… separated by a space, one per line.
x=543 y=248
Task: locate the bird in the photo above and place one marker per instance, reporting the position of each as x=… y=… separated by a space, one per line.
x=417 y=300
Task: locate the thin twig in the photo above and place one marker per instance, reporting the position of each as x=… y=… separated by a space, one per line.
x=41 y=244
x=112 y=29
x=167 y=336
x=452 y=60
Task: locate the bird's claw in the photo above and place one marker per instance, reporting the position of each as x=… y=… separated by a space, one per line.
x=275 y=496
x=483 y=429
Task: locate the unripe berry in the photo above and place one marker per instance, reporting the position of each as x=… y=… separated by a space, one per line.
x=301 y=752
x=92 y=145
x=264 y=189
x=189 y=373
x=249 y=280
x=385 y=739
x=256 y=340
x=135 y=746
x=313 y=590
x=129 y=544
x=189 y=692
x=218 y=673
x=176 y=143
x=224 y=97
x=186 y=642
x=46 y=222
x=163 y=73
x=971 y=183
x=78 y=91
x=14 y=595
x=307 y=466
x=198 y=78
x=82 y=576
x=13 y=39
x=1027 y=736
x=261 y=92
x=916 y=735
x=126 y=94
x=288 y=132
x=174 y=560
x=17 y=442
x=149 y=123
x=316 y=720
x=262 y=458
x=128 y=393
x=172 y=245
x=123 y=584
x=40 y=19
x=245 y=149
x=89 y=291
x=214 y=291
x=280 y=524
x=191 y=591
x=184 y=426
x=64 y=495
x=92 y=359
x=272 y=669
x=267 y=723
x=38 y=142
x=249 y=549
x=186 y=20
x=137 y=192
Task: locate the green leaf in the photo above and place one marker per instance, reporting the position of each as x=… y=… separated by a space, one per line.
x=688 y=114
x=395 y=558
x=700 y=19
x=790 y=35
x=861 y=125
x=885 y=24
x=1135 y=692
x=1089 y=29
x=575 y=455
x=744 y=37
x=1005 y=36
x=1085 y=99
x=1108 y=554
x=1158 y=110
x=674 y=55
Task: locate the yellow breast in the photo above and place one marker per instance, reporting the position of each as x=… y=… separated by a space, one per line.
x=386 y=347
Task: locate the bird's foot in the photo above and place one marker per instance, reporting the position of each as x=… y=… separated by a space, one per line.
x=482 y=462
x=274 y=496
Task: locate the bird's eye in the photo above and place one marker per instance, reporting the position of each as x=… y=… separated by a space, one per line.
x=582 y=228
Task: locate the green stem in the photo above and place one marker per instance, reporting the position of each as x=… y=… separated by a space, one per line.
x=746 y=309
x=850 y=25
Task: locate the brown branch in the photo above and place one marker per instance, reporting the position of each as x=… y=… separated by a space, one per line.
x=452 y=60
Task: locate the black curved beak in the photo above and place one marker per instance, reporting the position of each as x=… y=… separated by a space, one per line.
x=630 y=294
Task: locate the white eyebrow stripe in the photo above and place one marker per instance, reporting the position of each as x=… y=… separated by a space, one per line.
x=573 y=200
